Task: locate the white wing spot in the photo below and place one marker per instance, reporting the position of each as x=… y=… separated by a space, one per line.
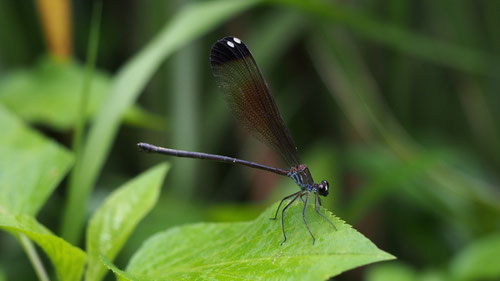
x=237 y=40
x=230 y=44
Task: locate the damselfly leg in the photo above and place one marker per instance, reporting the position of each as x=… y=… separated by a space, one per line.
x=316 y=197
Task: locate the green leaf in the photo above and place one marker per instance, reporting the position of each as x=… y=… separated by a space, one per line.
x=434 y=275
x=479 y=260
x=115 y=220
x=190 y=23
x=253 y=251
x=67 y=259
x=392 y=272
x=139 y=117
x=50 y=93
x=397 y=271
x=157 y=220
x=31 y=166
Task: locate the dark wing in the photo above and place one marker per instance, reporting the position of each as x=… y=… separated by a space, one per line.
x=248 y=96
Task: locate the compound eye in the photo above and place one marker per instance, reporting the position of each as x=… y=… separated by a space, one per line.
x=323 y=188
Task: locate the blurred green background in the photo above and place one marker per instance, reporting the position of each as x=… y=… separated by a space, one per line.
x=394 y=102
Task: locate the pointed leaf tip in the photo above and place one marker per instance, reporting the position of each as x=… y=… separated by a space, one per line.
x=252 y=250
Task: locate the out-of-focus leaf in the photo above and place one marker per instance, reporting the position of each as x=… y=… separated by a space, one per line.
x=434 y=275
x=389 y=174
x=67 y=259
x=50 y=94
x=479 y=260
x=31 y=166
x=114 y=221
x=350 y=81
x=233 y=212
x=391 y=272
x=445 y=53
x=284 y=26
x=193 y=21
x=139 y=117
x=253 y=250
x=396 y=271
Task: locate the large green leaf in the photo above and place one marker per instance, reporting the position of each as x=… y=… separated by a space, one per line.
x=114 y=221
x=253 y=251
x=50 y=92
x=190 y=23
x=31 y=166
x=67 y=259
x=479 y=260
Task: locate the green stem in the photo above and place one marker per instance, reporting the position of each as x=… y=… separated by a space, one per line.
x=185 y=108
x=34 y=258
x=92 y=50
x=87 y=81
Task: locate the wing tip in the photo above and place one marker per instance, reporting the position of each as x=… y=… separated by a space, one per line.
x=228 y=49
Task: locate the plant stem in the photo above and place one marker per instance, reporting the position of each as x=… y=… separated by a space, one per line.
x=34 y=258
x=82 y=116
x=87 y=81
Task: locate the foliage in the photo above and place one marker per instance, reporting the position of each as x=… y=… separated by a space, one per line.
x=252 y=250
x=21 y=199
x=67 y=259
x=394 y=104
x=114 y=221
x=126 y=86
x=478 y=261
x=31 y=166
x=48 y=94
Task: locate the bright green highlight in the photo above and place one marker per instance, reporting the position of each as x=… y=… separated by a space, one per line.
x=31 y=166
x=114 y=221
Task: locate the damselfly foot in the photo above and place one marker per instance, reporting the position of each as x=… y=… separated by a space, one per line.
x=295 y=196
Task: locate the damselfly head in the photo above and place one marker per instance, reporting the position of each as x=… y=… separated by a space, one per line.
x=323 y=188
